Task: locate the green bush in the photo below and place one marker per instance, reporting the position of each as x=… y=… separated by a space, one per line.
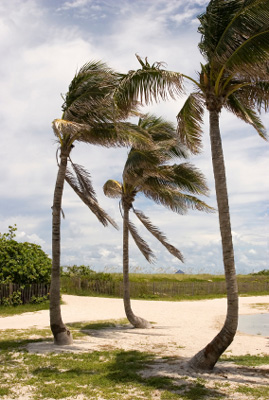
x=86 y=273
x=22 y=263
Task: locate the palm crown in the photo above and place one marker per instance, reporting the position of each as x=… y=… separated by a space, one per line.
x=235 y=44
x=149 y=172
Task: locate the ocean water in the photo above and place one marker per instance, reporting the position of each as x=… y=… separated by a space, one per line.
x=256 y=324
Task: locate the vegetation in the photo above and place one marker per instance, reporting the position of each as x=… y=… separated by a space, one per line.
x=149 y=172
x=114 y=374
x=22 y=263
x=163 y=286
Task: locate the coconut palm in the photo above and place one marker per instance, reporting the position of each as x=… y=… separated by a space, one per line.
x=89 y=116
x=174 y=186
x=235 y=45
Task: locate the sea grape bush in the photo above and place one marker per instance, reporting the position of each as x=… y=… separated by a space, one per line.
x=22 y=263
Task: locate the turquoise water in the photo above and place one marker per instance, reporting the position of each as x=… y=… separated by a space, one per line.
x=256 y=324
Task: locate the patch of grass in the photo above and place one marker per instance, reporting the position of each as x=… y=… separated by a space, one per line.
x=20 y=309
x=110 y=375
x=4 y=391
x=247 y=360
x=261 y=306
x=258 y=392
x=97 y=325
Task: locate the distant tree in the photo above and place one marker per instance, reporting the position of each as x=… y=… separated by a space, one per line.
x=149 y=172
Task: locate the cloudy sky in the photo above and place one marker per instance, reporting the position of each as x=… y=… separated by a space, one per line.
x=42 y=44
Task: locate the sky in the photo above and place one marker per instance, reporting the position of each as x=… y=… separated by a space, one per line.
x=43 y=43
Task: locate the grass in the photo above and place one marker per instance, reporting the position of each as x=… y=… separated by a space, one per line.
x=248 y=360
x=20 y=309
x=117 y=374
x=174 y=287
x=97 y=325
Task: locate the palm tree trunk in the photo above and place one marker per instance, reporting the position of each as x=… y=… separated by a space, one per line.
x=137 y=322
x=62 y=335
x=207 y=357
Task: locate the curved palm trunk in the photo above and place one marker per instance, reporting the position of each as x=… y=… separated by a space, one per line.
x=207 y=357
x=137 y=322
x=62 y=335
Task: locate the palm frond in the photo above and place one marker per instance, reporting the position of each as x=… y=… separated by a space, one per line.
x=254 y=93
x=113 y=189
x=86 y=193
x=190 y=119
x=171 y=198
x=185 y=177
x=249 y=19
x=250 y=58
x=213 y=22
x=139 y=162
x=141 y=244
x=158 y=235
x=89 y=98
x=242 y=109
x=149 y=83
x=83 y=178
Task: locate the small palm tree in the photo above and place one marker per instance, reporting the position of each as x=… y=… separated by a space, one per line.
x=148 y=172
x=89 y=116
x=235 y=45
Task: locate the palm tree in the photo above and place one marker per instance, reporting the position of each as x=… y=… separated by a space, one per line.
x=235 y=45
x=148 y=172
x=89 y=116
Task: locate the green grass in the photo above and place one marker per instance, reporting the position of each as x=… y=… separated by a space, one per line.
x=248 y=360
x=108 y=375
x=20 y=309
x=97 y=325
x=174 y=287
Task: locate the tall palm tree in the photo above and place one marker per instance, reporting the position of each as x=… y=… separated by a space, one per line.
x=174 y=186
x=235 y=45
x=89 y=116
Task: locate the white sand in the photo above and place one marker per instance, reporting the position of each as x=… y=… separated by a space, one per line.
x=180 y=329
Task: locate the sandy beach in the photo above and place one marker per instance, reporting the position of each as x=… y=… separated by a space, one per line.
x=180 y=328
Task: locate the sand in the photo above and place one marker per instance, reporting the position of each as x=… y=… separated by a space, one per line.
x=180 y=330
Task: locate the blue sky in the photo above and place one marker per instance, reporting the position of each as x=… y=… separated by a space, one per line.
x=43 y=43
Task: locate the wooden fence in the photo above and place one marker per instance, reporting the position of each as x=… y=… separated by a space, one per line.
x=158 y=289
x=25 y=292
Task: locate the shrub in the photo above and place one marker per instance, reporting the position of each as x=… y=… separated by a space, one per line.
x=22 y=263
x=86 y=273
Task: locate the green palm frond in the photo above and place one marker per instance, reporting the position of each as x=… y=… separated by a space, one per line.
x=113 y=189
x=186 y=177
x=149 y=83
x=190 y=119
x=171 y=198
x=251 y=57
x=140 y=162
x=89 y=98
x=82 y=186
x=256 y=94
x=158 y=235
x=141 y=244
x=250 y=18
x=242 y=109
x=218 y=14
